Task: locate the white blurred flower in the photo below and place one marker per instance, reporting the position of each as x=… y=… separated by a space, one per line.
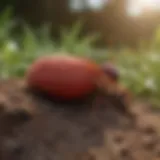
x=12 y=46
x=154 y=57
x=149 y=83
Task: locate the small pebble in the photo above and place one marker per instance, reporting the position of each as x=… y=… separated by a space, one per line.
x=124 y=152
x=119 y=138
x=149 y=142
x=147 y=129
x=158 y=153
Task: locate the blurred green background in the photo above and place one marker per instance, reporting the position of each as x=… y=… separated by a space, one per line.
x=101 y=30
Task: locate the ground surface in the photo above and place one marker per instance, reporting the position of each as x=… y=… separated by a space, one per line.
x=35 y=128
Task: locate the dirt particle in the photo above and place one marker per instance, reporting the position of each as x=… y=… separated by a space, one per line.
x=149 y=130
x=124 y=153
x=119 y=139
x=158 y=153
x=149 y=142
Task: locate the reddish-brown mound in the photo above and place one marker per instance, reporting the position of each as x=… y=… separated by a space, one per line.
x=33 y=127
x=66 y=77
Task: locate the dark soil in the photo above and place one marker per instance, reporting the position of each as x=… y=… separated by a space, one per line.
x=34 y=127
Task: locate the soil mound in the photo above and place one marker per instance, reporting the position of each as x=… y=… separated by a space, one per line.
x=34 y=127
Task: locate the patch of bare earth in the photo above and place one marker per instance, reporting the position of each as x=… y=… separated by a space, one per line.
x=33 y=127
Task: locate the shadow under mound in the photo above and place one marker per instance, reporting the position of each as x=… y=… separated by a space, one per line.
x=96 y=101
x=75 y=104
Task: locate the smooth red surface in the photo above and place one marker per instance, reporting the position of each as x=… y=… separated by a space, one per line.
x=63 y=76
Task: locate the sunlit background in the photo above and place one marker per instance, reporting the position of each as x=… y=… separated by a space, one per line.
x=133 y=8
x=137 y=7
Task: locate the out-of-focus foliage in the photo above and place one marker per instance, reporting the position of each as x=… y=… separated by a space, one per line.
x=16 y=54
x=139 y=68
